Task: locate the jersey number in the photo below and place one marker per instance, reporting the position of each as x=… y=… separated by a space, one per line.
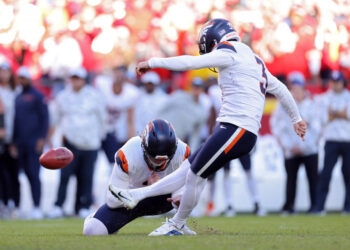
x=263 y=85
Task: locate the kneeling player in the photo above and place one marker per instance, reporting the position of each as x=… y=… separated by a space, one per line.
x=140 y=162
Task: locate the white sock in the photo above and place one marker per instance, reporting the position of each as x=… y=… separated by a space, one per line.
x=252 y=188
x=167 y=185
x=211 y=190
x=193 y=189
x=93 y=226
x=228 y=188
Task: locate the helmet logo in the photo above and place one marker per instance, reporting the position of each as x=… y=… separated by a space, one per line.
x=222 y=32
x=206 y=28
x=145 y=135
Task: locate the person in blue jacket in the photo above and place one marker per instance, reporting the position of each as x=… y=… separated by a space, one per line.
x=30 y=131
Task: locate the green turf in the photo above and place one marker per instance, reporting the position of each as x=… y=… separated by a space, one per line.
x=241 y=232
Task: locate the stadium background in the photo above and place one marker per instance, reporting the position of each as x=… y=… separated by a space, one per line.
x=100 y=34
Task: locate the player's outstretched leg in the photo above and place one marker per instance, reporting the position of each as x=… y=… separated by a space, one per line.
x=190 y=197
x=123 y=196
x=168 y=184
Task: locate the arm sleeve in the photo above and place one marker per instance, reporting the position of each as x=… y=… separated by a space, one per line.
x=44 y=116
x=279 y=90
x=216 y=58
x=119 y=179
x=348 y=109
x=15 y=124
x=101 y=113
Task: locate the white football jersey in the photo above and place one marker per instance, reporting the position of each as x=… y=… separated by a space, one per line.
x=131 y=169
x=284 y=132
x=80 y=115
x=147 y=108
x=337 y=129
x=243 y=79
x=117 y=105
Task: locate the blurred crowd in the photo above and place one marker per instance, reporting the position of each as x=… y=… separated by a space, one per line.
x=50 y=37
x=67 y=67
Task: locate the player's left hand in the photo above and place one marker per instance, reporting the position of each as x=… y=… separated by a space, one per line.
x=300 y=128
x=142 y=67
x=175 y=201
x=153 y=178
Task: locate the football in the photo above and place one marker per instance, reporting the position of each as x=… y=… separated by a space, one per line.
x=56 y=158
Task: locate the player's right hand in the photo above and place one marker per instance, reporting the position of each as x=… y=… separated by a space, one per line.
x=142 y=67
x=175 y=201
x=300 y=128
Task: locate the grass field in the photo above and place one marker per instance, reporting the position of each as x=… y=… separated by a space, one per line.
x=241 y=232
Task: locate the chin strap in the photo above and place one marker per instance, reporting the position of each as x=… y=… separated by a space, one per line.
x=213 y=70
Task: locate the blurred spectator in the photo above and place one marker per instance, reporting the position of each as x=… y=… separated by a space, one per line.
x=62 y=53
x=79 y=111
x=200 y=97
x=120 y=97
x=184 y=113
x=151 y=99
x=47 y=36
x=228 y=189
x=30 y=131
x=8 y=162
x=335 y=108
x=3 y=188
x=296 y=152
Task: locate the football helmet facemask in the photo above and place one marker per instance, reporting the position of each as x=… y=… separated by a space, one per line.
x=159 y=144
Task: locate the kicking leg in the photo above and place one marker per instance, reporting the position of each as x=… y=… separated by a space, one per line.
x=190 y=197
x=226 y=143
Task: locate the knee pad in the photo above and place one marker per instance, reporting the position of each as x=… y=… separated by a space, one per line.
x=93 y=226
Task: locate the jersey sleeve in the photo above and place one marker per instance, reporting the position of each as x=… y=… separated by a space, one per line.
x=216 y=58
x=119 y=179
x=278 y=89
x=187 y=152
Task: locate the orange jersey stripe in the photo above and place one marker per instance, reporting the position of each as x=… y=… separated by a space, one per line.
x=224 y=42
x=227 y=43
x=124 y=161
x=187 y=153
x=230 y=146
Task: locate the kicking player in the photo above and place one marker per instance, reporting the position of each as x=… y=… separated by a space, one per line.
x=244 y=81
x=140 y=162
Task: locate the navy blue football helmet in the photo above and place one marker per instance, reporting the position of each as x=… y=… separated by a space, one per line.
x=214 y=32
x=159 y=144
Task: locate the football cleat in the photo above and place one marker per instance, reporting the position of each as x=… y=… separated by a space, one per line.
x=168 y=228
x=123 y=196
x=187 y=231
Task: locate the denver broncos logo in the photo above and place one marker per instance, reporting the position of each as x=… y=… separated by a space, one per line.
x=122 y=161
x=146 y=132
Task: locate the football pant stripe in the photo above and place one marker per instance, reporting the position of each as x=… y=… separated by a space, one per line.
x=222 y=149
x=240 y=134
